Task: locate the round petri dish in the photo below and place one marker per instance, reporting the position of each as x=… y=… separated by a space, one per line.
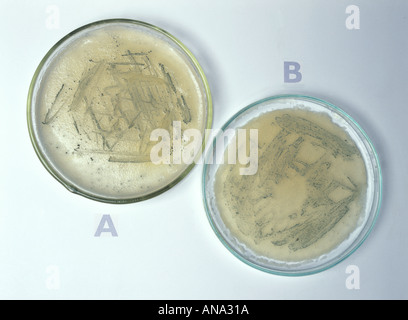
x=292 y=185
x=107 y=108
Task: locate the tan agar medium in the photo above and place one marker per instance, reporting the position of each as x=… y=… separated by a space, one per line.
x=309 y=191
x=100 y=98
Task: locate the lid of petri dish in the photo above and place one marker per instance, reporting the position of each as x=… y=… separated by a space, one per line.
x=108 y=102
x=292 y=185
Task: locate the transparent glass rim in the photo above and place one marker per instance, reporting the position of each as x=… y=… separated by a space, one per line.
x=30 y=106
x=373 y=216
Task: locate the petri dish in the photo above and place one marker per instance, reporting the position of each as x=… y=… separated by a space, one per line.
x=292 y=185
x=106 y=105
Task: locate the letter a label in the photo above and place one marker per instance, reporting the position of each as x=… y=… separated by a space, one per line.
x=353 y=20
x=106 y=226
x=353 y=280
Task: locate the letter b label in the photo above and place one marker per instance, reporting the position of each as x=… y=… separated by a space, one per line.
x=291 y=72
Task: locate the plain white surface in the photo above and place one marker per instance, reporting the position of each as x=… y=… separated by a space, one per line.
x=166 y=248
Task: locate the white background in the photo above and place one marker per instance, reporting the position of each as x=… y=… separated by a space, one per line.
x=166 y=248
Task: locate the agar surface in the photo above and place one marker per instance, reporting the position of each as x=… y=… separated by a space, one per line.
x=117 y=101
x=310 y=184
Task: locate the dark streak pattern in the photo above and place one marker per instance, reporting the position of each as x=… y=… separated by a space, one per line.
x=140 y=97
x=251 y=200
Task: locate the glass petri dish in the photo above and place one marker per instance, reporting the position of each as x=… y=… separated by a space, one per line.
x=299 y=192
x=106 y=104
